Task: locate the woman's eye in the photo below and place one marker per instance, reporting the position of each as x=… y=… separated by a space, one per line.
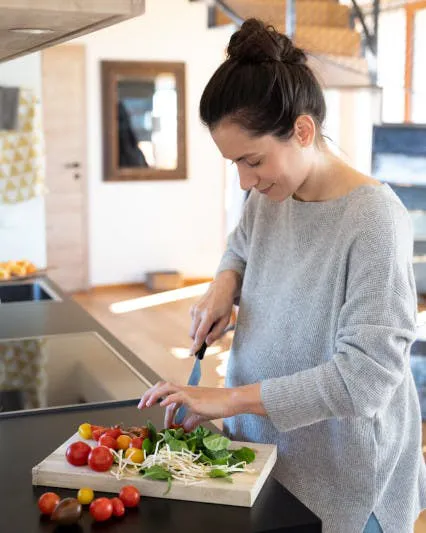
x=252 y=165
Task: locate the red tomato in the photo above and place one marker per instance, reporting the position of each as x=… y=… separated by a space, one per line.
x=77 y=453
x=94 y=427
x=176 y=426
x=100 y=459
x=130 y=496
x=48 y=501
x=97 y=433
x=113 y=432
x=101 y=509
x=136 y=442
x=117 y=507
x=108 y=441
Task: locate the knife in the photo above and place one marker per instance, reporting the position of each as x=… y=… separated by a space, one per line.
x=193 y=381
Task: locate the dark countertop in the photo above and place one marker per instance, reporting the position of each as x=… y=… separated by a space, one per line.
x=33 y=319
x=27 y=438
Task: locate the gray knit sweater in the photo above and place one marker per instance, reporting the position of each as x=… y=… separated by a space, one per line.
x=326 y=321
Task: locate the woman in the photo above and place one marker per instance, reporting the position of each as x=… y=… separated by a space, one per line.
x=321 y=265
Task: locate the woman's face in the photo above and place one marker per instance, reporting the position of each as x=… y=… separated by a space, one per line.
x=274 y=167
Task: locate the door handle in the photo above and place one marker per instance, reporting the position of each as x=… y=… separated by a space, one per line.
x=74 y=164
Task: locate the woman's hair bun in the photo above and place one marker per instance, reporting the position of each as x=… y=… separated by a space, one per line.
x=256 y=42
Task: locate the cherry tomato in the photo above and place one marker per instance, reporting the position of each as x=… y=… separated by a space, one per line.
x=93 y=427
x=100 y=459
x=123 y=442
x=47 y=502
x=176 y=426
x=135 y=455
x=108 y=441
x=85 y=431
x=136 y=442
x=117 y=507
x=130 y=496
x=97 y=433
x=85 y=496
x=113 y=432
x=77 y=453
x=101 y=509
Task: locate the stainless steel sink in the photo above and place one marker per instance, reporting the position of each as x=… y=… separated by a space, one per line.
x=33 y=291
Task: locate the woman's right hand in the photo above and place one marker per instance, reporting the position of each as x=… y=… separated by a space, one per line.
x=214 y=309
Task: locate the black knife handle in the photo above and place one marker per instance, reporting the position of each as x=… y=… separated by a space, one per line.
x=201 y=351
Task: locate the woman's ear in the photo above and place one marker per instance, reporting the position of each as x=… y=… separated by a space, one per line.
x=305 y=130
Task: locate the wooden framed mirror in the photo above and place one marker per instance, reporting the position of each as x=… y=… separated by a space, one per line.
x=143 y=120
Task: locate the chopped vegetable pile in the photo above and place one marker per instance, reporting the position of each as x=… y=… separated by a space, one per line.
x=170 y=454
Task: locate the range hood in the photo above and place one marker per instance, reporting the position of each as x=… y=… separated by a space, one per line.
x=30 y=25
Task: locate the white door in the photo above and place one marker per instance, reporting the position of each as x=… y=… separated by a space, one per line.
x=64 y=124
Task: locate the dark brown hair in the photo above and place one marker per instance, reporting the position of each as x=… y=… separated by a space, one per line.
x=263 y=85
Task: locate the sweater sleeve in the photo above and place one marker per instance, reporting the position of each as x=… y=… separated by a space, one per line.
x=236 y=253
x=376 y=327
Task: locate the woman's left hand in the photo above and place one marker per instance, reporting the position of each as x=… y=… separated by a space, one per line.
x=203 y=403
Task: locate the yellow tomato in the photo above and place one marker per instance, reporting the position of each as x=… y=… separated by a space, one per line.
x=135 y=455
x=85 y=496
x=123 y=442
x=85 y=431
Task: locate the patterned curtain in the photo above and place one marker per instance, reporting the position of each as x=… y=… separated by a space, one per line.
x=22 y=153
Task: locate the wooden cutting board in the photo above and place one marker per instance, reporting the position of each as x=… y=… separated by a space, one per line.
x=55 y=471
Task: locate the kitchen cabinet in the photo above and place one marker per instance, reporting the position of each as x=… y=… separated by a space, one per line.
x=30 y=25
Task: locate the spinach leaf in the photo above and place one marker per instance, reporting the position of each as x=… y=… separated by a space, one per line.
x=220 y=457
x=157 y=472
x=152 y=432
x=243 y=454
x=217 y=473
x=204 y=459
x=147 y=446
x=179 y=433
x=192 y=443
x=216 y=442
x=169 y=434
x=177 y=445
x=202 y=432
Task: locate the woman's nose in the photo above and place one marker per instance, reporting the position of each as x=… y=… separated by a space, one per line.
x=248 y=179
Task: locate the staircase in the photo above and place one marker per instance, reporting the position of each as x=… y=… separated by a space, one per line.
x=322 y=29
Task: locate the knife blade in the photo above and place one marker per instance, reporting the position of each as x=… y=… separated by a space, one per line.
x=193 y=381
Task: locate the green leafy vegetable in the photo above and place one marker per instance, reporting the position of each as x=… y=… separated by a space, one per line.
x=147 y=446
x=179 y=433
x=220 y=457
x=216 y=442
x=177 y=445
x=217 y=473
x=158 y=473
x=243 y=454
x=152 y=432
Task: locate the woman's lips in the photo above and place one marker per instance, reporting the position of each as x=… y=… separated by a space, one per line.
x=265 y=191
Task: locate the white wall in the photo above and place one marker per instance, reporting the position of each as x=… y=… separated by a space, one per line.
x=137 y=227
x=22 y=225
x=351 y=114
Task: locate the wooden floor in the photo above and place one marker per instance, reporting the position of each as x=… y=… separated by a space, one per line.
x=159 y=336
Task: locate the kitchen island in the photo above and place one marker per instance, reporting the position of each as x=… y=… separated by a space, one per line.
x=28 y=436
